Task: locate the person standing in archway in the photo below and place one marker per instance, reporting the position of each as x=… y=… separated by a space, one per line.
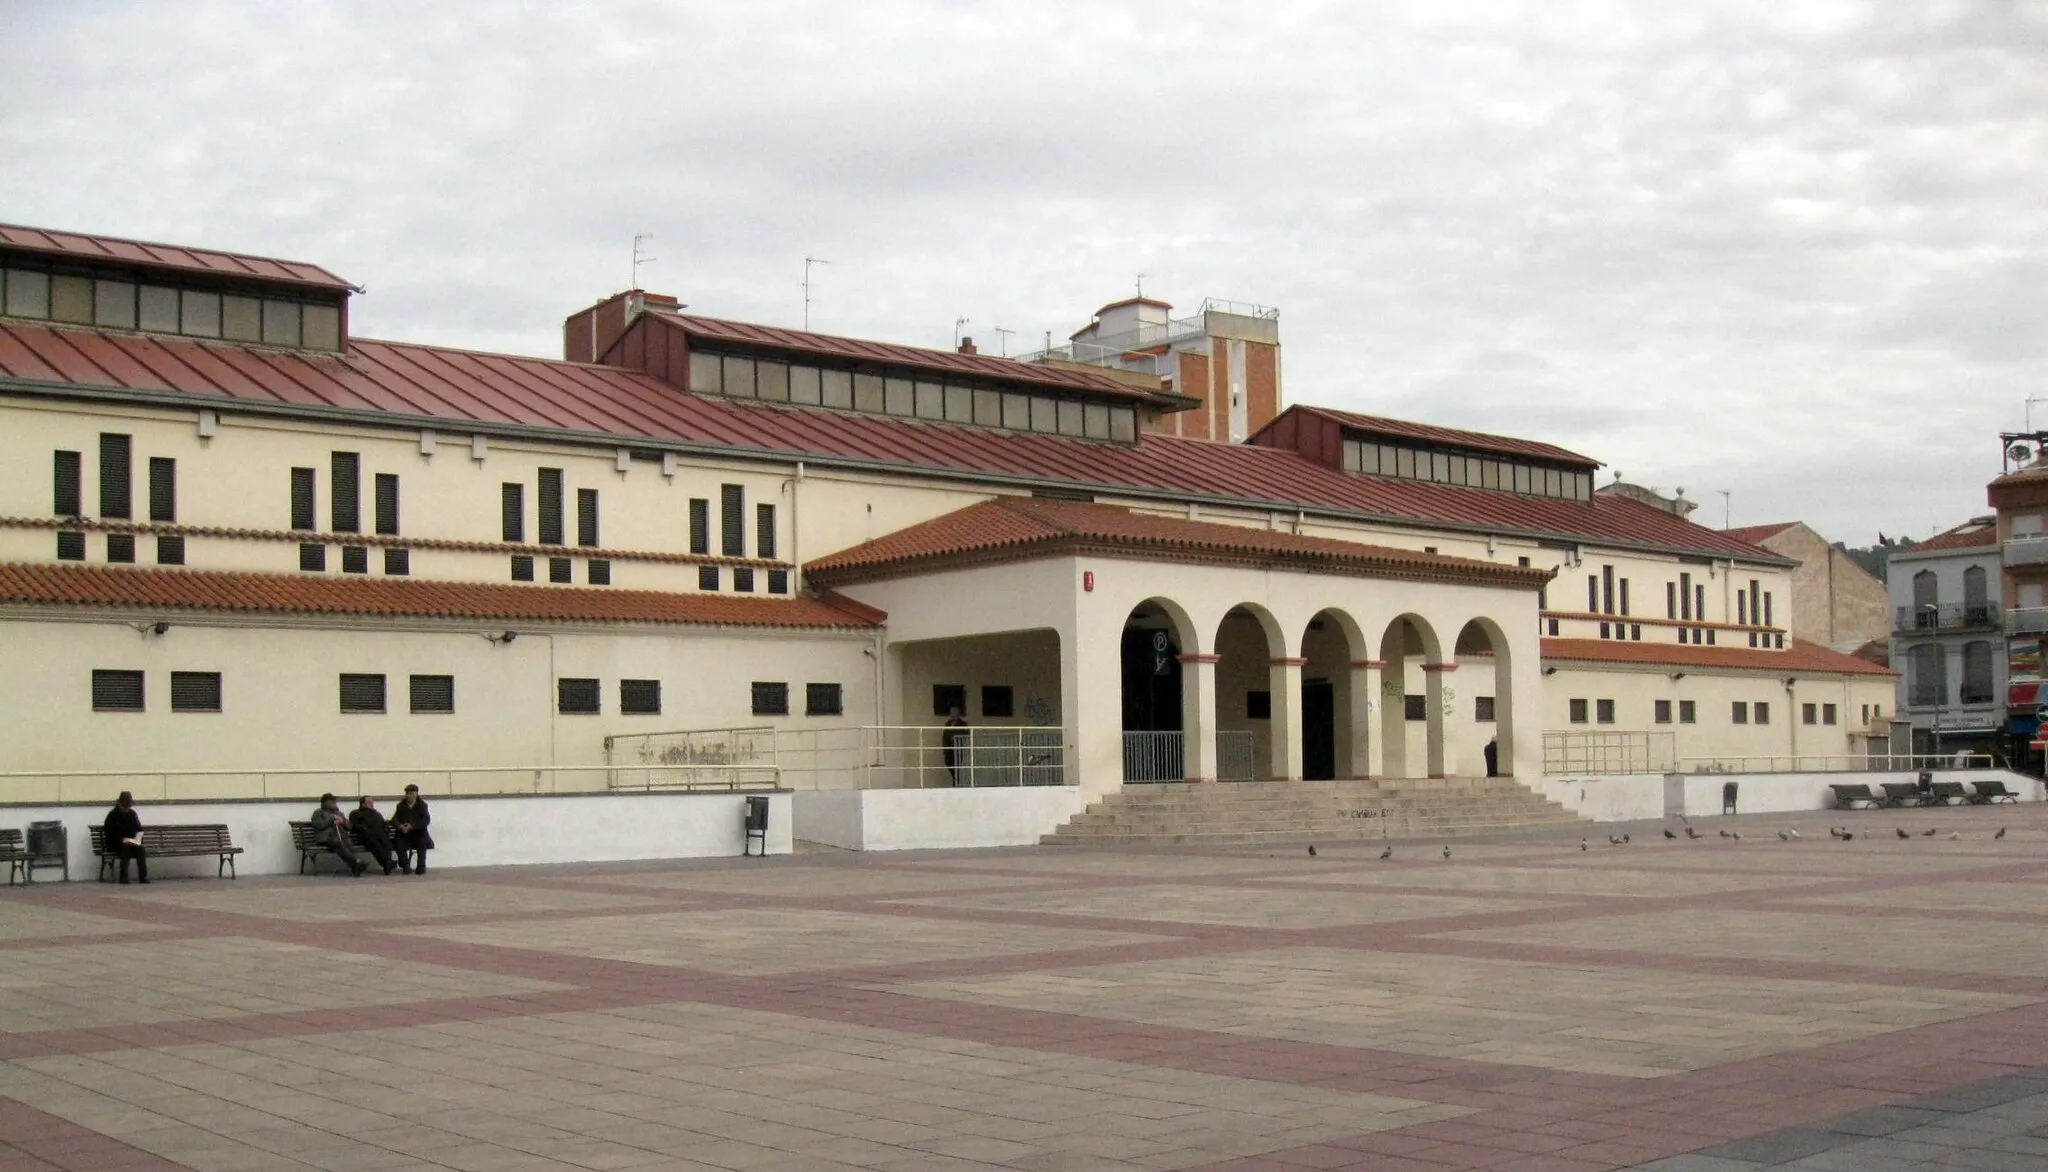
x=955 y=735
x=1493 y=757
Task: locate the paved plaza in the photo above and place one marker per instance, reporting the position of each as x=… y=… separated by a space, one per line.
x=1690 y=1006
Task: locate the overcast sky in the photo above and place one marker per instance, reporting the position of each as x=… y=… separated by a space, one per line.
x=1794 y=251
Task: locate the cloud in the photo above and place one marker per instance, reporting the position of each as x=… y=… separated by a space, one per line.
x=1724 y=245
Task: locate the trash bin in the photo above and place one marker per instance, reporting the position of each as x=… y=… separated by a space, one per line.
x=1728 y=797
x=757 y=824
x=48 y=848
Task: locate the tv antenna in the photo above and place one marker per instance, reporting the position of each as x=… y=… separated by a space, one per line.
x=639 y=257
x=1003 y=340
x=1726 y=506
x=1141 y=283
x=2030 y=410
x=808 y=262
x=958 y=322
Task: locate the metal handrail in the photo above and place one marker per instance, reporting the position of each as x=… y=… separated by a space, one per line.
x=77 y=785
x=1837 y=763
x=862 y=756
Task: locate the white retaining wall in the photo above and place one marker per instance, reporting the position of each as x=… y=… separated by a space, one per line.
x=931 y=819
x=468 y=832
x=1627 y=797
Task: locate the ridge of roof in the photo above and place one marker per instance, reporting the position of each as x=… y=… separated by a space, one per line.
x=411 y=384
x=174 y=257
x=1432 y=433
x=1976 y=533
x=1753 y=534
x=1012 y=528
x=1798 y=656
x=224 y=591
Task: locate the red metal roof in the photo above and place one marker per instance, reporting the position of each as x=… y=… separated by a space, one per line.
x=1011 y=528
x=1448 y=436
x=1758 y=534
x=1798 y=656
x=939 y=361
x=144 y=254
x=206 y=590
x=457 y=387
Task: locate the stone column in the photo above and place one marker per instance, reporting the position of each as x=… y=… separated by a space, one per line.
x=1443 y=760
x=1198 y=715
x=1283 y=679
x=1365 y=760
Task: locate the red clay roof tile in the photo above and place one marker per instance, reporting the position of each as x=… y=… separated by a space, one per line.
x=207 y=590
x=1798 y=656
x=1758 y=534
x=1973 y=534
x=1013 y=528
x=143 y=254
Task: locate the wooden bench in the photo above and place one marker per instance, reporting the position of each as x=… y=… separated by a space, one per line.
x=1947 y=793
x=311 y=851
x=1902 y=793
x=171 y=842
x=1991 y=791
x=1847 y=797
x=15 y=854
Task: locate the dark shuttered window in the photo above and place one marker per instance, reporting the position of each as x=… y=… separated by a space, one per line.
x=551 y=506
x=355 y=559
x=361 y=692
x=116 y=495
x=513 y=499
x=522 y=567
x=163 y=489
x=68 y=500
x=700 y=525
x=742 y=580
x=561 y=570
x=398 y=562
x=116 y=691
x=195 y=691
x=312 y=557
x=71 y=547
x=387 y=503
x=600 y=572
x=578 y=697
x=120 y=547
x=732 y=520
x=778 y=581
x=764 y=531
x=707 y=577
x=346 y=483
x=433 y=693
x=640 y=697
x=170 y=550
x=586 y=516
x=822 y=700
x=304 y=490
x=771 y=699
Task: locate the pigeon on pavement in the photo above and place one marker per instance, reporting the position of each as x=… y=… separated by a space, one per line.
x=1724 y=834
x=2000 y=834
x=1954 y=834
x=1582 y=844
x=1900 y=832
x=1736 y=835
x=1387 y=853
x=1691 y=833
x=1311 y=850
x=1927 y=833
x=1795 y=834
x=1668 y=833
x=1447 y=850
x=1784 y=837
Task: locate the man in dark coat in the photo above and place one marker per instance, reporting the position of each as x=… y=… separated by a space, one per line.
x=409 y=820
x=330 y=829
x=373 y=832
x=124 y=836
x=1492 y=758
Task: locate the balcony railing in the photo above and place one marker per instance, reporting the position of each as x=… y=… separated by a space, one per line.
x=1953 y=616
x=2027 y=551
x=2027 y=620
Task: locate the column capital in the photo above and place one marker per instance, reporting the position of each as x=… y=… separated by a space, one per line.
x=1370 y=664
x=1439 y=667
x=1287 y=661
x=1198 y=657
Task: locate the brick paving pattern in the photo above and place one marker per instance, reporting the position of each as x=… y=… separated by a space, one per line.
x=1711 y=1006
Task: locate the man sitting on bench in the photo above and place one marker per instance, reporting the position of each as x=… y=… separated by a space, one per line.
x=124 y=836
x=330 y=829
x=373 y=832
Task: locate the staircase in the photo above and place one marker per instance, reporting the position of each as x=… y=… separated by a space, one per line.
x=1248 y=812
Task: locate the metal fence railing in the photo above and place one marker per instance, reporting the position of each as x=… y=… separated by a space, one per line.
x=1609 y=752
x=1235 y=755
x=860 y=756
x=1837 y=763
x=163 y=785
x=1155 y=755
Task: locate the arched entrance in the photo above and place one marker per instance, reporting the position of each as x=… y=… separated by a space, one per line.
x=1254 y=697
x=1485 y=715
x=1330 y=730
x=1411 y=702
x=1157 y=634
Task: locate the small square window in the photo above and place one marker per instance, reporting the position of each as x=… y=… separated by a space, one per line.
x=71 y=547
x=120 y=547
x=823 y=700
x=1603 y=711
x=578 y=697
x=522 y=567
x=433 y=693
x=1578 y=708
x=1662 y=712
x=742 y=580
x=398 y=562
x=640 y=697
x=195 y=691
x=1738 y=712
x=946 y=698
x=559 y=570
x=355 y=559
x=771 y=699
x=1687 y=714
x=1415 y=707
x=778 y=581
x=998 y=700
x=1258 y=705
x=599 y=571
x=1809 y=714
x=707 y=577
x=1482 y=709
x=1763 y=713
x=170 y=550
x=116 y=691
x=1827 y=714
x=362 y=692
x=312 y=558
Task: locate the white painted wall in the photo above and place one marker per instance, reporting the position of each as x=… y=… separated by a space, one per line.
x=1633 y=797
x=933 y=819
x=468 y=832
x=1618 y=797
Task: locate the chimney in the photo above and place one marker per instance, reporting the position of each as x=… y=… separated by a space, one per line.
x=967 y=346
x=588 y=336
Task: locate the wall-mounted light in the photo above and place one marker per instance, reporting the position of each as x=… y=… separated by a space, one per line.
x=507 y=637
x=158 y=628
x=209 y=424
x=1550 y=671
x=479 y=447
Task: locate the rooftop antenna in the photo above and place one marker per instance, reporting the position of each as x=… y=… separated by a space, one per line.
x=962 y=320
x=639 y=258
x=1726 y=506
x=2030 y=410
x=1003 y=340
x=808 y=262
x=1141 y=283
